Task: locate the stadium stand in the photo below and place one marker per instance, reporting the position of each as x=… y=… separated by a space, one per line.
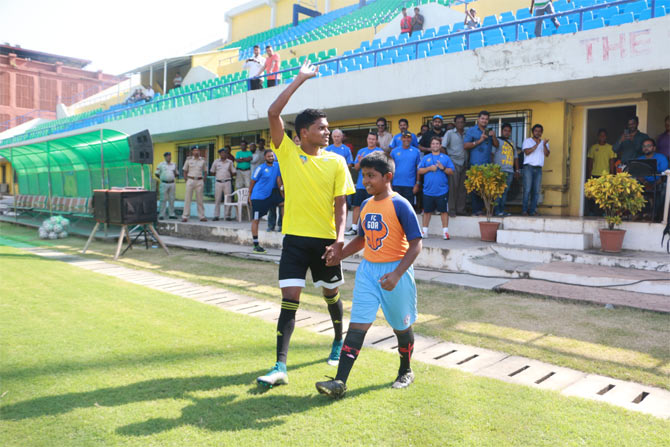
x=574 y=17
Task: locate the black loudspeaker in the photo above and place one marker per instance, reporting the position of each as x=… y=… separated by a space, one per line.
x=100 y=205
x=131 y=207
x=141 y=148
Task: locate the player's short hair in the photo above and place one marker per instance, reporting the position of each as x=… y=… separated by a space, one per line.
x=265 y=152
x=256 y=46
x=483 y=113
x=382 y=119
x=506 y=125
x=379 y=161
x=537 y=126
x=460 y=115
x=634 y=118
x=601 y=130
x=373 y=133
x=261 y=139
x=403 y=120
x=436 y=138
x=306 y=118
x=338 y=131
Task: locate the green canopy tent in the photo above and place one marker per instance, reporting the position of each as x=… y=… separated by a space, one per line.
x=75 y=165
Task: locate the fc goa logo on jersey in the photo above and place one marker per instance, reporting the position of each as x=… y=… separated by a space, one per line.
x=376 y=230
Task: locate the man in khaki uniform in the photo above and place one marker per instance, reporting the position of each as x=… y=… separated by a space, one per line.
x=195 y=170
x=224 y=171
x=166 y=172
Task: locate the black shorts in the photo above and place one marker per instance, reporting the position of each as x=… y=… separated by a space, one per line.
x=260 y=208
x=432 y=203
x=360 y=196
x=300 y=253
x=407 y=192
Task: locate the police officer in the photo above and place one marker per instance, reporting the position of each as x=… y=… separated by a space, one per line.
x=195 y=170
x=224 y=171
x=166 y=172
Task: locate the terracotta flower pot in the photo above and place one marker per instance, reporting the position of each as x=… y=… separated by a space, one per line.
x=611 y=240
x=488 y=230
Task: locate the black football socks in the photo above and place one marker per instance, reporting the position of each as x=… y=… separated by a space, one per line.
x=285 y=326
x=350 y=350
x=336 y=313
x=405 y=348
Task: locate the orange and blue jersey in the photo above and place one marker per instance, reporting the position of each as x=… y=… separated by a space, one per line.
x=387 y=226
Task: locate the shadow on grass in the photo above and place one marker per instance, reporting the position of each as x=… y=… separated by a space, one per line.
x=149 y=390
x=225 y=413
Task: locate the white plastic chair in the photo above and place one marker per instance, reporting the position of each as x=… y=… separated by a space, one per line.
x=242 y=196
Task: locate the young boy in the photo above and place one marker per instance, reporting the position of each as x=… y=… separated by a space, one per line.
x=435 y=167
x=265 y=179
x=390 y=234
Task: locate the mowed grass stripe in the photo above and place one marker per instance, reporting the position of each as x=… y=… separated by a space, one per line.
x=90 y=360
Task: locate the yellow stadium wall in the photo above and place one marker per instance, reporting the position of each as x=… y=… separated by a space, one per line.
x=220 y=62
x=6 y=168
x=250 y=22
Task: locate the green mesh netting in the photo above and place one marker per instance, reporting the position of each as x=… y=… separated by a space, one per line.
x=74 y=165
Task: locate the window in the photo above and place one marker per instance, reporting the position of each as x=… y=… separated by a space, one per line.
x=25 y=91
x=4 y=88
x=4 y=122
x=235 y=140
x=70 y=91
x=48 y=94
x=207 y=150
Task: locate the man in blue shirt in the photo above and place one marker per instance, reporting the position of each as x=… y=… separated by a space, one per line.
x=339 y=148
x=654 y=183
x=435 y=168
x=403 y=125
x=265 y=178
x=407 y=158
x=361 y=193
x=480 y=141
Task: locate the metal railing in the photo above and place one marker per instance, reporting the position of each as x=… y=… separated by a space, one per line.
x=217 y=91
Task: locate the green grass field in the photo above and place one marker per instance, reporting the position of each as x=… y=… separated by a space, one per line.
x=89 y=360
x=625 y=344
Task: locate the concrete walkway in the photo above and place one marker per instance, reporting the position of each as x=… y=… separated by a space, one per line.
x=482 y=362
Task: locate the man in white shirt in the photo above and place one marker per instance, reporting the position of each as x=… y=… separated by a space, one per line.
x=166 y=172
x=535 y=150
x=255 y=65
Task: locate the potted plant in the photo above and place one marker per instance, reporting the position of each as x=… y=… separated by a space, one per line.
x=489 y=182
x=615 y=194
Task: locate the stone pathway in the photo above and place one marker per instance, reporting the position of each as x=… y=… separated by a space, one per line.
x=482 y=362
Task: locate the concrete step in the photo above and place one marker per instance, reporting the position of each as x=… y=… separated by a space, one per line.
x=657 y=283
x=546 y=239
x=627 y=259
x=494 y=265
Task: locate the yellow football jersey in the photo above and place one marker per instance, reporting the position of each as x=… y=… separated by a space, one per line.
x=311 y=184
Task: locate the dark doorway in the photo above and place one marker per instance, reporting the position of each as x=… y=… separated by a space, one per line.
x=612 y=119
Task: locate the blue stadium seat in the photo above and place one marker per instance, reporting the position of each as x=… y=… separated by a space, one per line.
x=562 y=6
x=493 y=33
x=622 y=18
x=443 y=30
x=548 y=30
x=568 y=29
x=454 y=46
x=523 y=35
x=403 y=38
x=635 y=7
x=365 y=45
x=522 y=13
x=584 y=3
x=424 y=46
x=594 y=24
x=459 y=26
x=477 y=36
x=375 y=44
x=427 y=34
x=489 y=21
x=401 y=58
x=415 y=37
x=474 y=43
x=509 y=32
x=646 y=14
x=606 y=13
x=437 y=50
x=386 y=61
x=507 y=16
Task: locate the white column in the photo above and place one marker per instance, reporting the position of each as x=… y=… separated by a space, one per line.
x=165 y=76
x=151 y=76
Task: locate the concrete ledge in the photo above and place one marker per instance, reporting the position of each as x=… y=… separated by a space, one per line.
x=545 y=239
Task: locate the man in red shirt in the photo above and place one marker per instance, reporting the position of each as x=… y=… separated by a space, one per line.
x=271 y=65
x=405 y=22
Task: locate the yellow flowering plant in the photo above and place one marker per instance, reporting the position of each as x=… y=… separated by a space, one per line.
x=615 y=195
x=489 y=182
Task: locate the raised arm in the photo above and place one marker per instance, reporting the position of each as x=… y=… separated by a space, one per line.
x=274 y=112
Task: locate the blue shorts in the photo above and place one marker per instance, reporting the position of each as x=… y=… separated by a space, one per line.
x=432 y=203
x=398 y=305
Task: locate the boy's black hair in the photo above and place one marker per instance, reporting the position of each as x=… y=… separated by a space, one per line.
x=484 y=113
x=306 y=118
x=649 y=139
x=403 y=120
x=460 y=115
x=537 y=126
x=601 y=130
x=379 y=161
x=506 y=125
x=265 y=152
